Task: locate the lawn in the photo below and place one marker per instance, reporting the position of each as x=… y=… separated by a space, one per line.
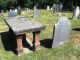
x=68 y=51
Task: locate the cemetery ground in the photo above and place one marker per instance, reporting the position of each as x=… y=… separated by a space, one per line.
x=67 y=51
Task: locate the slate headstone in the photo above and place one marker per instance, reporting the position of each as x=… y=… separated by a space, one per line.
x=19 y=10
x=36 y=13
x=61 y=31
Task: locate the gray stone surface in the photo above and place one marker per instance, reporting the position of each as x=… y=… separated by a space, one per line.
x=62 y=31
x=20 y=25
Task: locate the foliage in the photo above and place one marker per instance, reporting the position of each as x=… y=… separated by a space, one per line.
x=7 y=4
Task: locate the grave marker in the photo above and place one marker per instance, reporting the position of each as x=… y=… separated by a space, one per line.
x=76 y=12
x=62 y=31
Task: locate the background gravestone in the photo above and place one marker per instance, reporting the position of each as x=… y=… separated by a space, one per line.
x=35 y=7
x=73 y=10
x=62 y=31
x=15 y=11
x=54 y=7
x=36 y=13
x=1 y=12
x=57 y=7
x=48 y=8
x=19 y=10
x=76 y=12
x=60 y=7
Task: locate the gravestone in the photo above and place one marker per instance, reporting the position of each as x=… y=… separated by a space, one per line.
x=61 y=6
x=76 y=12
x=11 y=13
x=35 y=7
x=19 y=10
x=15 y=11
x=61 y=31
x=51 y=8
x=48 y=8
x=36 y=13
x=57 y=7
x=54 y=7
x=1 y=13
x=73 y=10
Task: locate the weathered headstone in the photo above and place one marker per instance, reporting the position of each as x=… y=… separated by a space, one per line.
x=36 y=13
x=54 y=7
x=76 y=12
x=62 y=31
x=19 y=10
x=61 y=6
x=15 y=11
x=51 y=8
x=57 y=7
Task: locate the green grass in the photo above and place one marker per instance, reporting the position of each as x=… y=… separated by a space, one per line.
x=68 y=51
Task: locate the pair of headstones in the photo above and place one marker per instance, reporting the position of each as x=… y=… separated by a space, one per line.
x=57 y=7
x=61 y=31
x=48 y=8
x=13 y=13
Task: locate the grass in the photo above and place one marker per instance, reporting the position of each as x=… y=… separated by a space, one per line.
x=68 y=51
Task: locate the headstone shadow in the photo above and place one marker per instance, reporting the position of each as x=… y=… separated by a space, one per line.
x=47 y=43
x=25 y=43
x=76 y=29
x=8 y=43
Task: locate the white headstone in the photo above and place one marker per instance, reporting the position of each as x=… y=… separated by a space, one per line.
x=62 y=31
x=76 y=12
x=35 y=7
x=51 y=8
x=16 y=11
x=11 y=13
x=48 y=8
